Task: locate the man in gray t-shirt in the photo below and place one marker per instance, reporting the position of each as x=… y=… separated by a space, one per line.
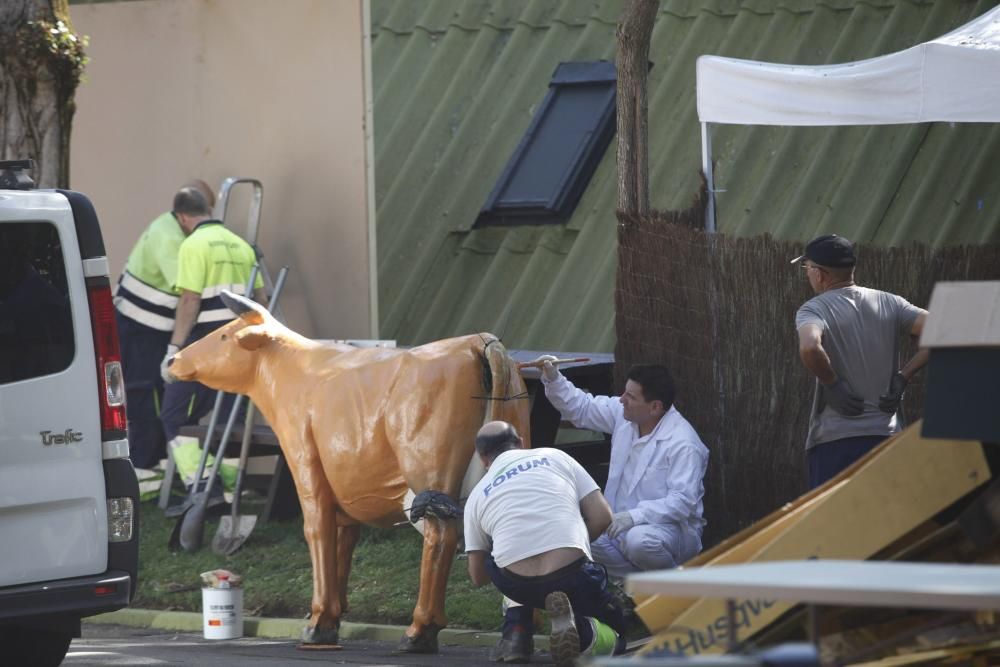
x=849 y=339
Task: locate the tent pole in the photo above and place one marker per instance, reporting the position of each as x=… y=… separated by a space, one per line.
x=706 y=166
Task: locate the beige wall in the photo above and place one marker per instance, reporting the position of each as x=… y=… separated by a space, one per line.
x=177 y=89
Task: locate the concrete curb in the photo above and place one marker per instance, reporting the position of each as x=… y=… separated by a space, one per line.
x=291 y=628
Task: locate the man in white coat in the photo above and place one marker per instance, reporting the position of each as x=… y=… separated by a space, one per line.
x=655 y=480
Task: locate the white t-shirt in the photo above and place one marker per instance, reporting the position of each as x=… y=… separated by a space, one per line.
x=528 y=503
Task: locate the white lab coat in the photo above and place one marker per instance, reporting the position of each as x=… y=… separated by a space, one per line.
x=663 y=496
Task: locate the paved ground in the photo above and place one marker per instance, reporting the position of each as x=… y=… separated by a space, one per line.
x=107 y=645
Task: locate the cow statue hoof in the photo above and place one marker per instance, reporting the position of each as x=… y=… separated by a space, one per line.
x=425 y=642
x=316 y=636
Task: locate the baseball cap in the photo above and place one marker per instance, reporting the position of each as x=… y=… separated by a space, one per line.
x=829 y=250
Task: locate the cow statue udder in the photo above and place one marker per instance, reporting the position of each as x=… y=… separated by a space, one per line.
x=359 y=428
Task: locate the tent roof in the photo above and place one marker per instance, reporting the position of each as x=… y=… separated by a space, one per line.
x=951 y=78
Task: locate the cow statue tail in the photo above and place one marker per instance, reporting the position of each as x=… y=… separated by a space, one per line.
x=497 y=381
x=505 y=386
x=497 y=370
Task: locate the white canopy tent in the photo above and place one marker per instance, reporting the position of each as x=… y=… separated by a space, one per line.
x=952 y=78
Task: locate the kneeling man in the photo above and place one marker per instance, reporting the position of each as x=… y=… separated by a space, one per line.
x=528 y=527
x=658 y=462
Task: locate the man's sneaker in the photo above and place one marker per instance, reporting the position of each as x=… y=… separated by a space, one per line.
x=517 y=648
x=564 y=641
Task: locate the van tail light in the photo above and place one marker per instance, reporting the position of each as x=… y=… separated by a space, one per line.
x=110 y=379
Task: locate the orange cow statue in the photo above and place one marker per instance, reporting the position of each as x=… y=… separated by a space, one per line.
x=360 y=429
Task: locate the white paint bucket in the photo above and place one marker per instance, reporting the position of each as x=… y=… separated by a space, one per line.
x=223 y=612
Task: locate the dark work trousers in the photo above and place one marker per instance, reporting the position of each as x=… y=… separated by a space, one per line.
x=142 y=350
x=584 y=582
x=185 y=403
x=827 y=459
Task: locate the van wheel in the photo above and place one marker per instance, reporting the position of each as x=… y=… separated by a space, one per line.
x=31 y=646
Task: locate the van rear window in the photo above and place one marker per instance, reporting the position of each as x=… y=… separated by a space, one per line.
x=36 y=324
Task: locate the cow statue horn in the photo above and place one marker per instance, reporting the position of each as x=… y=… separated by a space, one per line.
x=240 y=305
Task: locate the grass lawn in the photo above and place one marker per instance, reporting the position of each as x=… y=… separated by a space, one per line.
x=277 y=574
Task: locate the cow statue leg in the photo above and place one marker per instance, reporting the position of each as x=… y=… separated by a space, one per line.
x=347 y=539
x=320 y=527
x=439 y=513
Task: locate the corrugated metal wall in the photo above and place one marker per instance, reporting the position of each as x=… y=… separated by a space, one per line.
x=456 y=83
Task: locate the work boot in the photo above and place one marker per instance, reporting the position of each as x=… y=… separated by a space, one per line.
x=604 y=641
x=564 y=640
x=518 y=647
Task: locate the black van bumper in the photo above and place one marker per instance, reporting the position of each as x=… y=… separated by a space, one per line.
x=81 y=596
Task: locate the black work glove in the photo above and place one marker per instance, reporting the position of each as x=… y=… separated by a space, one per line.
x=840 y=397
x=889 y=401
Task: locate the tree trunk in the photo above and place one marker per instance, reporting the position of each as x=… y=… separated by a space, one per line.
x=41 y=61
x=632 y=62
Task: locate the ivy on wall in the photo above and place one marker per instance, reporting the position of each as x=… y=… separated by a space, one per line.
x=42 y=61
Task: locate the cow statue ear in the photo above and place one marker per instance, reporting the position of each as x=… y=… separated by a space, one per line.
x=252 y=338
x=246 y=309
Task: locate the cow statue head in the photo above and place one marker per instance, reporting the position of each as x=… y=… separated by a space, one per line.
x=228 y=357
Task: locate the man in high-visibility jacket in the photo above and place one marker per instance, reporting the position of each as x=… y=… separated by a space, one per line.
x=145 y=302
x=210 y=259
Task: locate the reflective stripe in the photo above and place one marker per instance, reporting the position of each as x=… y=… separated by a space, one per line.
x=216 y=290
x=147 y=292
x=216 y=315
x=151 y=320
x=145 y=304
x=213 y=309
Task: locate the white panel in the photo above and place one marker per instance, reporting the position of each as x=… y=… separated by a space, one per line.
x=963 y=313
x=115 y=449
x=95 y=267
x=839 y=582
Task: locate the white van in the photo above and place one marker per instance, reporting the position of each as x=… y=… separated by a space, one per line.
x=68 y=492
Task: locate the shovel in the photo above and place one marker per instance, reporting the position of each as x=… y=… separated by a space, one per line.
x=234 y=529
x=190 y=527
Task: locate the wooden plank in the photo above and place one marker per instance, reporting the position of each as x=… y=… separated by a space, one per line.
x=660 y=611
x=783 y=511
x=899 y=486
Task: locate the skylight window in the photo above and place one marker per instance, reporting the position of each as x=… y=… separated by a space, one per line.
x=552 y=165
